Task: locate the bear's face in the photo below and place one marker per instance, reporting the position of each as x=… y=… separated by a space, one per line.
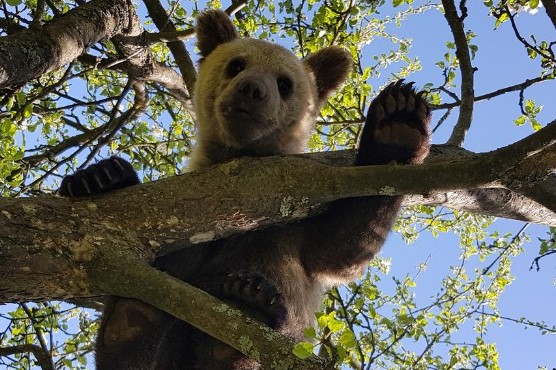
x=252 y=89
x=254 y=97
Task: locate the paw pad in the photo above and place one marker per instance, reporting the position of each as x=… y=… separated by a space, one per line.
x=397 y=127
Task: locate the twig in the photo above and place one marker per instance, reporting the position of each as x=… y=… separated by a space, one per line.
x=538 y=258
x=517 y=87
x=49 y=365
x=181 y=56
x=516 y=238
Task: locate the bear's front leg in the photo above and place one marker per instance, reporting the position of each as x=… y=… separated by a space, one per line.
x=341 y=241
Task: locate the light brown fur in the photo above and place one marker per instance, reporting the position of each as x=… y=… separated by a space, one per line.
x=276 y=125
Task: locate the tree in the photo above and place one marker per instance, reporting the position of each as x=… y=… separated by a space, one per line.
x=83 y=81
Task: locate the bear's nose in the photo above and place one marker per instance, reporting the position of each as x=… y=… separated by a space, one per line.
x=253 y=89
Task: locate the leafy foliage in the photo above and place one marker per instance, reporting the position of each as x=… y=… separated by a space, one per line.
x=64 y=333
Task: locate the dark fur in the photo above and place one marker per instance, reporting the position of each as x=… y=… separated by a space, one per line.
x=278 y=274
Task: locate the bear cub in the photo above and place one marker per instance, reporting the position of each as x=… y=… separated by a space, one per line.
x=255 y=98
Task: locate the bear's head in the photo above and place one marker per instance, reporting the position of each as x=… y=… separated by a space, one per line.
x=254 y=97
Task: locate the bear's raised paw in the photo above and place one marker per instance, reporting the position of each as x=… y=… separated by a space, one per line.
x=397 y=127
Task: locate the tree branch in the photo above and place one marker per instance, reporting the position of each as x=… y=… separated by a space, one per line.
x=172 y=36
x=56 y=237
x=87 y=247
x=44 y=360
x=492 y=202
x=141 y=65
x=517 y=87
x=45 y=353
x=495 y=202
x=462 y=53
x=31 y=53
x=181 y=56
x=135 y=279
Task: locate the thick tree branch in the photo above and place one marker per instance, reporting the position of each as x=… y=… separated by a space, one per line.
x=528 y=177
x=86 y=247
x=492 y=202
x=140 y=63
x=495 y=202
x=31 y=53
x=462 y=52
x=55 y=237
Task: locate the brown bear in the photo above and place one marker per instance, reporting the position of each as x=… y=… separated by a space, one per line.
x=255 y=98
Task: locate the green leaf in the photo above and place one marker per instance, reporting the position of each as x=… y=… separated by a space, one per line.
x=28 y=111
x=335 y=325
x=535 y=124
x=14 y=2
x=303 y=350
x=310 y=332
x=348 y=339
x=520 y=121
x=533 y=4
x=21 y=98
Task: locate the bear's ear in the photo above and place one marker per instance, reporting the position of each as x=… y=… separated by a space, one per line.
x=330 y=66
x=214 y=27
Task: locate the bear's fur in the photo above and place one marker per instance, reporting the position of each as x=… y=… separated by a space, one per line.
x=256 y=98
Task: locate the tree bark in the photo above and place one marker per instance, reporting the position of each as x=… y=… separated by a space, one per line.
x=31 y=53
x=495 y=202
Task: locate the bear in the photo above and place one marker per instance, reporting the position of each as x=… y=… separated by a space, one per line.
x=256 y=98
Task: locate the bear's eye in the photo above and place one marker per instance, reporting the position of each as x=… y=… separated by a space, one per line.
x=285 y=86
x=235 y=66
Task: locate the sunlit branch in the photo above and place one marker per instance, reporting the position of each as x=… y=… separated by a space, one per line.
x=177 y=48
x=139 y=106
x=522 y=39
x=44 y=360
x=515 y=239
x=523 y=321
x=462 y=52
x=40 y=337
x=60 y=41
